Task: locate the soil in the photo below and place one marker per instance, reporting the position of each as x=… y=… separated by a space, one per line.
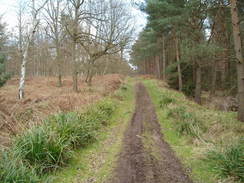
x=145 y=156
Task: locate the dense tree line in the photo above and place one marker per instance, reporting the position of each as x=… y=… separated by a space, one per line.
x=194 y=45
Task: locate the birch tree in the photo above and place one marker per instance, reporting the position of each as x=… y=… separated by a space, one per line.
x=31 y=34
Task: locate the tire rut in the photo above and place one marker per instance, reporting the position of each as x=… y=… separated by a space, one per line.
x=146 y=157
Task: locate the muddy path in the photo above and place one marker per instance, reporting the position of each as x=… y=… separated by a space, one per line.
x=146 y=157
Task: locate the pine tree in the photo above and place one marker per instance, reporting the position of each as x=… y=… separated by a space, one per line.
x=3 y=75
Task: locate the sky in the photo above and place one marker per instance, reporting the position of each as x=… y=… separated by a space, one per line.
x=8 y=11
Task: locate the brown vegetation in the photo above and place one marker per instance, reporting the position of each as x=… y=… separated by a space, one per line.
x=43 y=98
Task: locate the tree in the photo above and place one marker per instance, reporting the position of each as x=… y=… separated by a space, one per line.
x=24 y=57
x=55 y=31
x=239 y=58
x=96 y=28
x=113 y=30
x=76 y=15
x=3 y=75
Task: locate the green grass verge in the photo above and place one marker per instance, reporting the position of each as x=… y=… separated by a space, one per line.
x=194 y=131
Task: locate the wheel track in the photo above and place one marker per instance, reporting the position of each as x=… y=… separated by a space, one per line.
x=146 y=157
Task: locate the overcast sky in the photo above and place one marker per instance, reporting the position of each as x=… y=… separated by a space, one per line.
x=8 y=11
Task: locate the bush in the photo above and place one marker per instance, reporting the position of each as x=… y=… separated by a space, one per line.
x=187 y=123
x=14 y=170
x=228 y=162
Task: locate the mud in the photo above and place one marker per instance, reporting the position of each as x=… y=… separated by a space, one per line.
x=146 y=157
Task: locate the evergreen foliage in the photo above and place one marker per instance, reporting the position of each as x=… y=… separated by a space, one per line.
x=203 y=32
x=3 y=75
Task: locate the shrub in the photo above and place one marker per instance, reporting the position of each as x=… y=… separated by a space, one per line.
x=228 y=162
x=14 y=170
x=187 y=123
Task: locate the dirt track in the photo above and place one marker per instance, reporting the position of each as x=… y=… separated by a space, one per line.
x=146 y=157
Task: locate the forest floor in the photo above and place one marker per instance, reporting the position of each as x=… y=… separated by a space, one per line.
x=146 y=157
x=43 y=97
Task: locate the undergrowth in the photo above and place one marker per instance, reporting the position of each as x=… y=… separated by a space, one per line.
x=47 y=147
x=228 y=161
x=14 y=170
x=186 y=123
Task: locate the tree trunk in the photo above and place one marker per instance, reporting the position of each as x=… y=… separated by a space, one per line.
x=106 y=66
x=75 y=72
x=239 y=57
x=90 y=76
x=178 y=63
x=25 y=56
x=58 y=59
x=198 y=85
x=164 y=60
x=213 y=82
x=23 y=72
x=158 y=67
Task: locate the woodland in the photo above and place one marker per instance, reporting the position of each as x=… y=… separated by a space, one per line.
x=61 y=38
x=195 y=45
x=122 y=91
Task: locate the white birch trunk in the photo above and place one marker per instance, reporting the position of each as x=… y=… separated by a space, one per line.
x=23 y=66
x=26 y=51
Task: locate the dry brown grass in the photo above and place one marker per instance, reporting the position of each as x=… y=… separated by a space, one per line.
x=43 y=98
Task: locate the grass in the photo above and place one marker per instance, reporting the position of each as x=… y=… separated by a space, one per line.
x=14 y=170
x=228 y=161
x=95 y=162
x=194 y=131
x=187 y=123
x=50 y=146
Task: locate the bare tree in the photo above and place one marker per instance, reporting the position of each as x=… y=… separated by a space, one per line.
x=55 y=31
x=31 y=34
x=111 y=31
x=76 y=15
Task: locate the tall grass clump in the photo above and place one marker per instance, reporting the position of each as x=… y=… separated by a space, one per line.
x=165 y=100
x=228 y=162
x=14 y=170
x=186 y=123
x=42 y=148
